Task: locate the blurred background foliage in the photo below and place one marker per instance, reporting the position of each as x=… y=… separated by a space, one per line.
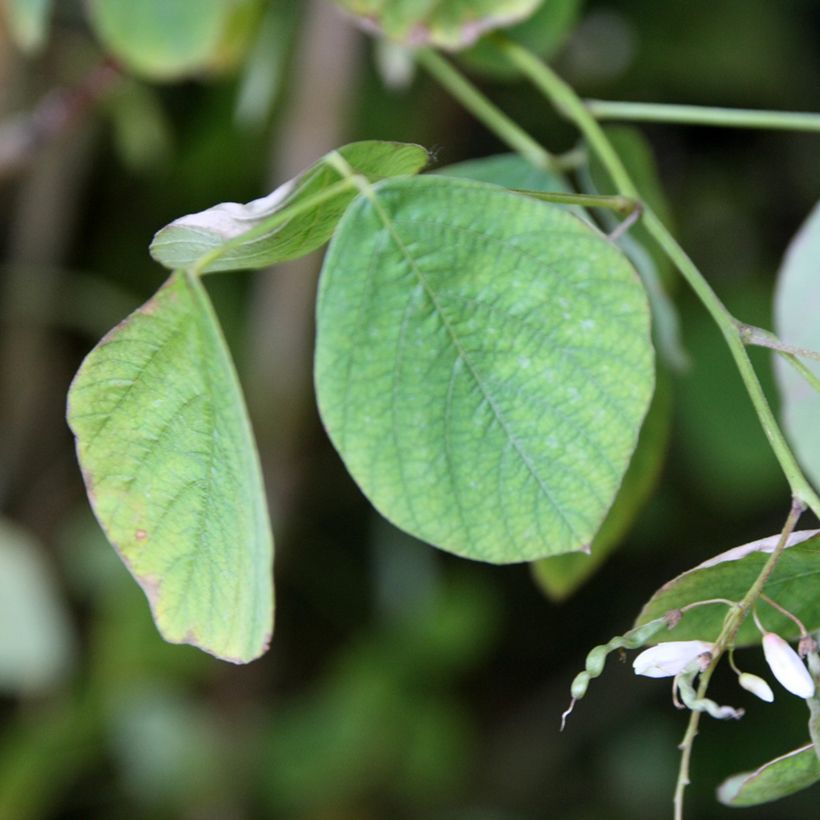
x=401 y=682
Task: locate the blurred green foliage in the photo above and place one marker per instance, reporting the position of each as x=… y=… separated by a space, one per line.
x=402 y=683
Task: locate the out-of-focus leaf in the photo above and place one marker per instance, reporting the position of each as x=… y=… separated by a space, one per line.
x=36 y=642
x=543 y=34
x=28 y=21
x=719 y=439
x=142 y=133
x=264 y=71
x=483 y=365
x=796 y=312
x=187 y=240
x=507 y=170
x=793 y=585
x=561 y=575
x=778 y=778
x=451 y=24
x=171 y=470
x=161 y=39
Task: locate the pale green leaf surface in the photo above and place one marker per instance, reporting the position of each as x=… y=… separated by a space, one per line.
x=509 y=171
x=483 y=366
x=161 y=39
x=171 y=469
x=451 y=24
x=28 y=21
x=560 y=575
x=36 y=642
x=778 y=778
x=187 y=240
x=796 y=312
x=793 y=585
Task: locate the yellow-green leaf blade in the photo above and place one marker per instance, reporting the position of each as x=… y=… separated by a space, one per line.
x=483 y=366
x=172 y=472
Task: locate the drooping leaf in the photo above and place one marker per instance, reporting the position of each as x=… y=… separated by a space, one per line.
x=796 y=305
x=36 y=644
x=28 y=22
x=778 y=778
x=483 y=366
x=162 y=39
x=543 y=33
x=451 y=24
x=793 y=585
x=190 y=238
x=172 y=473
x=507 y=170
x=560 y=575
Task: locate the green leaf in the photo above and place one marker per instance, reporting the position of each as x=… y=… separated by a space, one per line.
x=172 y=472
x=451 y=24
x=778 y=778
x=28 y=21
x=797 y=297
x=36 y=643
x=561 y=575
x=298 y=217
x=544 y=33
x=162 y=39
x=483 y=366
x=793 y=585
x=509 y=171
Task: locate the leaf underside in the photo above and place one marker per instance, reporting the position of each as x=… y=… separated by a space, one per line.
x=778 y=778
x=793 y=585
x=483 y=365
x=172 y=473
x=188 y=239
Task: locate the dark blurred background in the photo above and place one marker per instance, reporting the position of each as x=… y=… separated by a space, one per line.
x=401 y=682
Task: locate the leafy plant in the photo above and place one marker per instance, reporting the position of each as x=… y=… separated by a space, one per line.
x=485 y=364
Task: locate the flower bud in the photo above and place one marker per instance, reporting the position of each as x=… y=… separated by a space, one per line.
x=669 y=658
x=787 y=667
x=757 y=686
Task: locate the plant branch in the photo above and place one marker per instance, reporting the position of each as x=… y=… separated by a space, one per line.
x=564 y=98
x=703 y=115
x=734 y=620
x=801 y=368
x=752 y=335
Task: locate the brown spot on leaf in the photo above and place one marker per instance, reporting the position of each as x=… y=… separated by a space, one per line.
x=140 y=535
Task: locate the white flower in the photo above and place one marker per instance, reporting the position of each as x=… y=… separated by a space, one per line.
x=757 y=686
x=669 y=658
x=787 y=667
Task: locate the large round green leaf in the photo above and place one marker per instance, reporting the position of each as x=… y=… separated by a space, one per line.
x=483 y=366
x=172 y=473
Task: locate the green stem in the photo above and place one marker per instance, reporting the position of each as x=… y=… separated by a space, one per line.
x=475 y=102
x=703 y=115
x=620 y=204
x=731 y=626
x=564 y=98
x=752 y=335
